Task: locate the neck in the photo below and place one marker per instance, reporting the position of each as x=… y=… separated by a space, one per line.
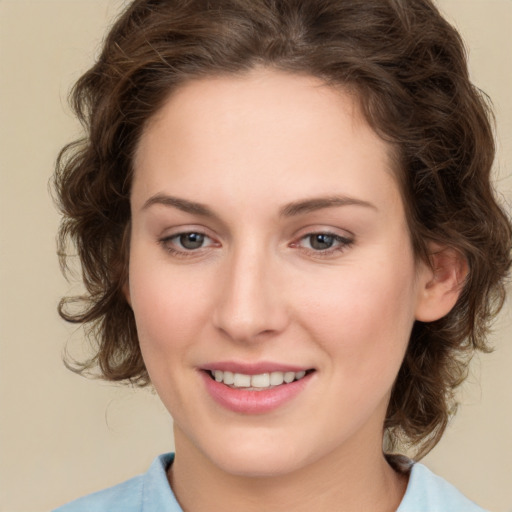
x=361 y=480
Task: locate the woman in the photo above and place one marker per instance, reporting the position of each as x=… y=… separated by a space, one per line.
x=286 y=226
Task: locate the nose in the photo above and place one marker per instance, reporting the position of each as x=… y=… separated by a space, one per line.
x=250 y=305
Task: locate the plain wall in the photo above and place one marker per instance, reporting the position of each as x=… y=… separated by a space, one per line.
x=62 y=436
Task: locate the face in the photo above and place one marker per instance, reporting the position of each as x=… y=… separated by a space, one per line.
x=271 y=272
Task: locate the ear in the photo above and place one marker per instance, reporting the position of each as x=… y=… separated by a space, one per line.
x=440 y=282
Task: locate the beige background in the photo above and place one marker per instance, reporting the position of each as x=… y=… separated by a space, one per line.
x=62 y=436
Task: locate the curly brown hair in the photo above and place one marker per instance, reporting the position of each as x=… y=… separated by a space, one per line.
x=407 y=66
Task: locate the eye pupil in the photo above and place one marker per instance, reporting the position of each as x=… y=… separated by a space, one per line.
x=321 y=241
x=191 y=240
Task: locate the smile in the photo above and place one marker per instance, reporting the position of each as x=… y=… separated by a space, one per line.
x=249 y=389
x=256 y=382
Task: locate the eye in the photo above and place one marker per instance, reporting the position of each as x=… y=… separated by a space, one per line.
x=323 y=243
x=188 y=242
x=320 y=241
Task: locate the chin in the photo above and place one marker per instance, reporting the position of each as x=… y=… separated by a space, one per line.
x=248 y=463
x=262 y=455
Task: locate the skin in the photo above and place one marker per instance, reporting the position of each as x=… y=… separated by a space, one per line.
x=245 y=148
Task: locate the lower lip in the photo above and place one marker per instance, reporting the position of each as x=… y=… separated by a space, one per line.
x=253 y=402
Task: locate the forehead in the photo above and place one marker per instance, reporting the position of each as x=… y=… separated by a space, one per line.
x=226 y=131
x=218 y=102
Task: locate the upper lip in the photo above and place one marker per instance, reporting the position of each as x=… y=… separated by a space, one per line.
x=253 y=368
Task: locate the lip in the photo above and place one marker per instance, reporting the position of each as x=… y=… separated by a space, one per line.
x=243 y=401
x=253 y=368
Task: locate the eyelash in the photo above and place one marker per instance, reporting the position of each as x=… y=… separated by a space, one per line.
x=342 y=244
x=167 y=242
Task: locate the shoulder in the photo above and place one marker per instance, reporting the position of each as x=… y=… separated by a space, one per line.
x=126 y=497
x=144 y=493
x=427 y=492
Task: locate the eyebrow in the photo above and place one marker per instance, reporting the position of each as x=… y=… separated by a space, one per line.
x=289 y=210
x=181 y=204
x=319 y=203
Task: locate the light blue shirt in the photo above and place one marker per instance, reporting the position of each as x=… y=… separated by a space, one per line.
x=151 y=492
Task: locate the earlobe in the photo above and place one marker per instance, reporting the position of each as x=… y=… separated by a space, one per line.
x=441 y=283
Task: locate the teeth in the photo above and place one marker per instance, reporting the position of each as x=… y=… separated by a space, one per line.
x=242 y=381
x=262 y=380
x=276 y=378
x=289 y=377
x=229 y=378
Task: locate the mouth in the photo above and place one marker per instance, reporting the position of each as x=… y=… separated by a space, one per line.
x=258 y=388
x=257 y=382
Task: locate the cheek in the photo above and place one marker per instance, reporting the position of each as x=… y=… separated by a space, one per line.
x=168 y=307
x=363 y=316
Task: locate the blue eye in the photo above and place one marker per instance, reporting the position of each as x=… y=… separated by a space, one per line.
x=186 y=243
x=324 y=242
x=321 y=241
x=191 y=241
